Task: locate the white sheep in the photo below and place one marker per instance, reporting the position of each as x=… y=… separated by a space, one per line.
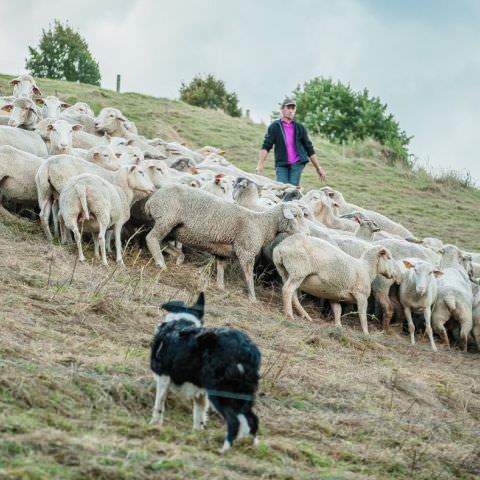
x=99 y=205
x=418 y=292
x=454 y=297
x=25 y=140
x=323 y=270
x=211 y=224
x=17 y=176
x=79 y=108
x=61 y=137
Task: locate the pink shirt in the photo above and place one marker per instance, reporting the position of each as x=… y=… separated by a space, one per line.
x=289 y=129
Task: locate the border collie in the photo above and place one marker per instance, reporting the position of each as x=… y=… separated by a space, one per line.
x=217 y=366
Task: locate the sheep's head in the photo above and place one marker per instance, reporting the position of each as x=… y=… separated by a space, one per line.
x=243 y=186
x=51 y=106
x=61 y=135
x=104 y=156
x=24 y=86
x=23 y=112
x=109 y=120
x=292 y=219
x=184 y=164
x=386 y=265
x=138 y=180
x=422 y=274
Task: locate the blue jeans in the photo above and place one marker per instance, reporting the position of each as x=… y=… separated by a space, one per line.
x=290 y=173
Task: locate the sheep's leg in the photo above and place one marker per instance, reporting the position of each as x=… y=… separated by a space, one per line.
x=154 y=237
x=220 y=262
x=299 y=308
x=439 y=318
x=101 y=242
x=78 y=240
x=476 y=334
x=387 y=309
x=288 y=291
x=200 y=411
x=163 y=382
x=465 y=320
x=411 y=326
x=56 y=231
x=428 y=327
x=247 y=267
x=337 y=313
x=362 y=304
x=108 y=241
x=118 y=243
x=45 y=218
x=96 y=251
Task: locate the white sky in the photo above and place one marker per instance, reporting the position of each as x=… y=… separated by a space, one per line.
x=422 y=60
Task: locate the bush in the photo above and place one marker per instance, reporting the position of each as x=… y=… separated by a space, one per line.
x=63 y=54
x=342 y=115
x=210 y=93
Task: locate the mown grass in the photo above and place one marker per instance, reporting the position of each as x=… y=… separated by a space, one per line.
x=75 y=388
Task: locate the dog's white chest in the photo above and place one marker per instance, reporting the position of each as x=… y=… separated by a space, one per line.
x=188 y=390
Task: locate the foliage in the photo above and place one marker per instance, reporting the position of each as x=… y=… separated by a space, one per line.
x=342 y=115
x=63 y=54
x=210 y=93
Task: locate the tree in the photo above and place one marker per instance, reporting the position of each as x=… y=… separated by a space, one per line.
x=63 y=54
x=341 y=114
x=210 y=93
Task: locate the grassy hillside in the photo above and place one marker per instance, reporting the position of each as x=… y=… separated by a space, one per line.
x=75 y=388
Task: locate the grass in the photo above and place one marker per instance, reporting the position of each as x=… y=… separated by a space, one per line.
x=75 y=387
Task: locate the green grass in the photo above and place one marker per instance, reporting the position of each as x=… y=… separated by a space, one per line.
x=75 y=388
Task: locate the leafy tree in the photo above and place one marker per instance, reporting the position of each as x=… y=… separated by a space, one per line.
x=210 y=93
x=63 y=54
x=341 y=114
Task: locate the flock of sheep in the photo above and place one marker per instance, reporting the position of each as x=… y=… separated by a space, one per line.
x=96 y=175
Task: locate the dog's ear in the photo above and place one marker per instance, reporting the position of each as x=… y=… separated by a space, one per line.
x=198 y=308
x=207 y=339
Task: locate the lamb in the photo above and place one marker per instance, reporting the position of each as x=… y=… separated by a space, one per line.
x=17 y=176
x=23 y=113
x=103 y=156
x=27 y=141
x=52 y=176
x=454 y=298
x=24 y=86
x=323 y=270
x=201 y=220
x=383 y=221
x=418 y=292
x=51 y=106
x=99 y=205
x=214 y=365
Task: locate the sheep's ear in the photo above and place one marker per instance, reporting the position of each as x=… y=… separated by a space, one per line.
x=122 y=119
x=65 y=105
x=77 y=127
x=383 y=252
x=7 y=108
x=408 y=264
x=287 y=213
x=131 y=168
x=14 y=82
x=357 y=219
x=221 y=152
x=130 y=142
x=437 y=273
x=37 y=91
x=39 y=101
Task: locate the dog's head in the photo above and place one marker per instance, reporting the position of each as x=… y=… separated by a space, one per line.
x=178 y=310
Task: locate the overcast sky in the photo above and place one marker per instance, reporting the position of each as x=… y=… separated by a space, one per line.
x=421 y=58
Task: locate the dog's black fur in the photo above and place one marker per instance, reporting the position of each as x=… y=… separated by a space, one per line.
x=223 y=361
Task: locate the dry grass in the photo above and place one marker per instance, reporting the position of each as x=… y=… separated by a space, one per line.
x=76 y=391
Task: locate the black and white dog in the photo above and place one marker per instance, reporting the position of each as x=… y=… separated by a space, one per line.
x=219 y=366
